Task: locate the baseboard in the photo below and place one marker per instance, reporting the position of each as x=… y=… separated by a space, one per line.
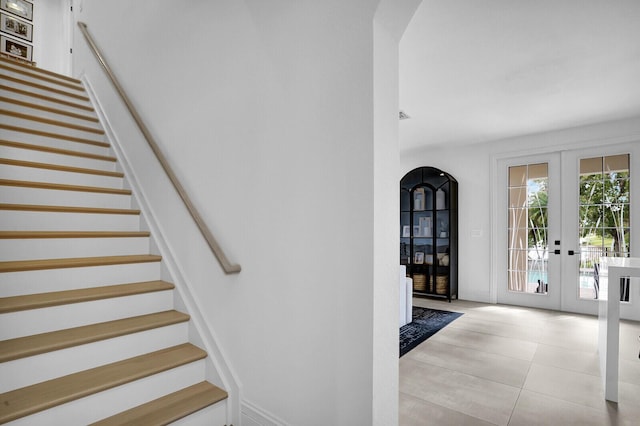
x=252 y=415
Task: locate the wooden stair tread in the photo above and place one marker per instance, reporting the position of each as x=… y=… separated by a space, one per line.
x=23 y=116
x=51 y=135
x=63 y=187
x=56 y=298
x=13 y=235
x=76 y=262
x=40 y=70
x=67 y=209
x=22 y=145
x=48 y=109
x=169 y=408
x=46 y=98
x=44 y=87
x=69 y=85
x=32 y=399
x=27 y=346
x=61 y=168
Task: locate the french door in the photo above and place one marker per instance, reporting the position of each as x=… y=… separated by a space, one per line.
x=530 y=207
x=561 y=212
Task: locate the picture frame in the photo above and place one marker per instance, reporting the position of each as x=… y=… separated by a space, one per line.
x=20 y=8
x=16 y=48
x=16 y=27
x=406 y=231
x=425 y=226
x=416 y=231
x=418 y=258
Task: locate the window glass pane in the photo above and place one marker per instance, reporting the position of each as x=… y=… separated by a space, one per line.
x=616 y=163
x=538 y=171
x=528 y=223
x=518 y=197
x=517 y=218
x=591 y=166
x=604 y=214
x=517 y=176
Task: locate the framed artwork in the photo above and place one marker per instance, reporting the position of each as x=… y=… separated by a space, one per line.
x=21 y=8
x=16 y=48
x=16 y=27
x=418 y=258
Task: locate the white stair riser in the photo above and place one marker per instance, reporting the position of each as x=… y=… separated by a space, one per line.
x=20 y=373
x=57 y=143
x=54 y=197
x=57 y=248
x=26 y=74
x=43 y=281
x=53 y=158
x=46 y=103
x=104 y=404
x=67 y=95
x=35 y=321
x=13 y=220
x=53 y=128
x=215 y=414
x=36 y=174
x=50 y=115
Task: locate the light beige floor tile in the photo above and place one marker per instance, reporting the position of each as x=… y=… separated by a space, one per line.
x=498 y=368
x=501 y=328
x=417 y=412
x=579 y=388
x=629 y=371
x=627 y=410
x=568 y=359
x=562 y=386
x=581 y=337
x=536 y=409
x=474 y=396
x=512 y=348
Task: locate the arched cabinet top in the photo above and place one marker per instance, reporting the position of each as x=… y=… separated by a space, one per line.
x=421 y=175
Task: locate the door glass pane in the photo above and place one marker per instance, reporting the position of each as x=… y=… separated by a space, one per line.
x=528 y=228
x=604 y=215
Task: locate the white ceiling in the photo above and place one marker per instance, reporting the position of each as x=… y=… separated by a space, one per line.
x=479 y=70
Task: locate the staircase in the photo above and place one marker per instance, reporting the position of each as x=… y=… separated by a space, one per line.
x=88 y=330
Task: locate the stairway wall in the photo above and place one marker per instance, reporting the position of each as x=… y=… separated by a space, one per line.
x=272 y=136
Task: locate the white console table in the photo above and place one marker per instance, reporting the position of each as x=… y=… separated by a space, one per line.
x=611 y=270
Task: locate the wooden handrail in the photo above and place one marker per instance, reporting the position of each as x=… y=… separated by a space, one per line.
x=227 y=266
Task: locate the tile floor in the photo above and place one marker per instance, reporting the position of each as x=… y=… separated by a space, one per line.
x=508 y=365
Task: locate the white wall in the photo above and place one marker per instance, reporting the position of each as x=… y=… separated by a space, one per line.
x=390 y=22
x=50 y=35
x=471 y=165
x=265 y=110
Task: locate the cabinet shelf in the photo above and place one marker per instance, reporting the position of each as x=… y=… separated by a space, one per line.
x=428 y=210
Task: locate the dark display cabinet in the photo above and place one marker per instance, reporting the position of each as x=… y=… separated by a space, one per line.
x=429 y=231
